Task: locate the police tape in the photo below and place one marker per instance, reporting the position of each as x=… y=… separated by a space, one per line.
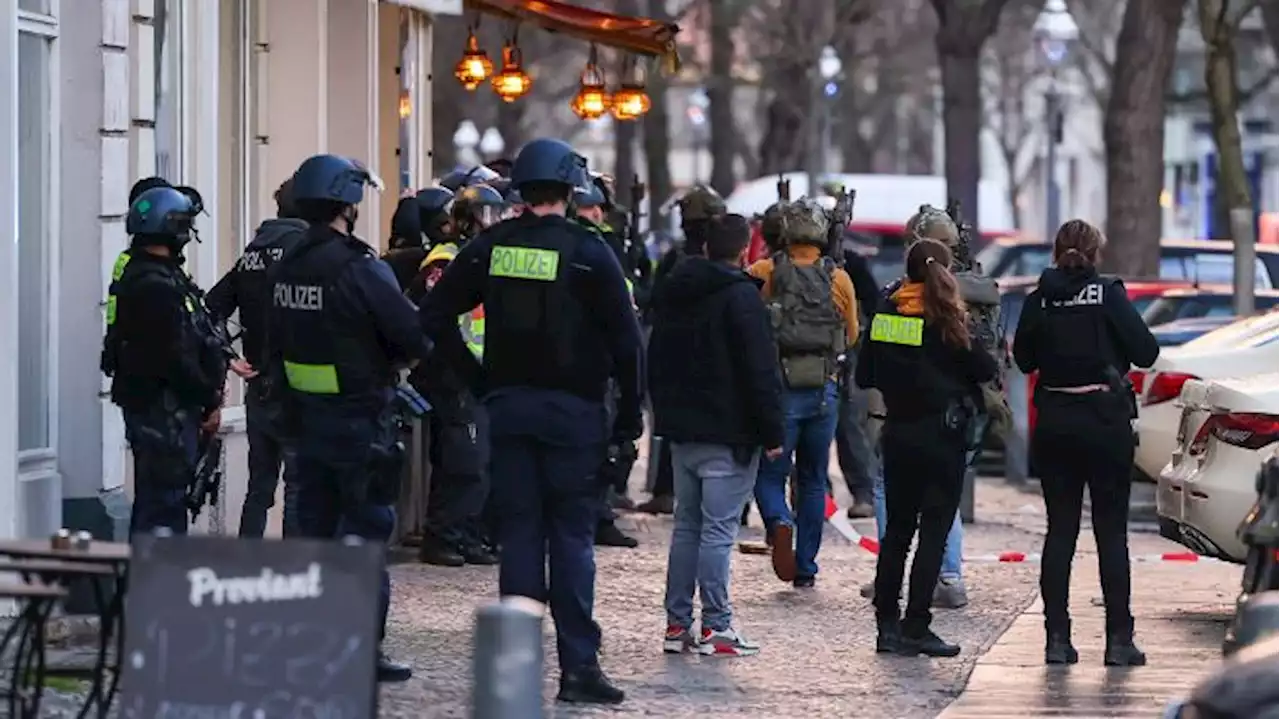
x=840 y=521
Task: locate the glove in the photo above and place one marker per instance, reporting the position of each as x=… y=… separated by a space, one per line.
x=618 y=462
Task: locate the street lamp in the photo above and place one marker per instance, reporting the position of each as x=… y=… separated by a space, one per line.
x=1055 y=30
x=824 y=89
x=697 y=113
x=465 y=139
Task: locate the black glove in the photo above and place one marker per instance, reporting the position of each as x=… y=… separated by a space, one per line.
x=618 y=462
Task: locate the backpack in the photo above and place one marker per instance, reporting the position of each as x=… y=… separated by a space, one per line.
x=808 y=328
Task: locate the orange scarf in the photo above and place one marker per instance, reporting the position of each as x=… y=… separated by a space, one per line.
x=909 y=298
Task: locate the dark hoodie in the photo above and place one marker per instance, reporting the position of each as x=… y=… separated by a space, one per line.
x=245 y=287
x=1075 y=325
x=713 y=367
x=923 y=378
x=406 y=249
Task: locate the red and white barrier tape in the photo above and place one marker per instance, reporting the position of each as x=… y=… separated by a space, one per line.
x=840 y=521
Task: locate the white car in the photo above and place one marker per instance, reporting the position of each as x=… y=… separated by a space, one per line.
x=1240 y=349
x=1227 y=429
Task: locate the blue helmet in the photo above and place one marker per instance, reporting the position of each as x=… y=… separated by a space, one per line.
x=590 y=196
x=434 y=199
x=460 y=178
x=513 y=197
x=549 y=160
x=332 y=178
x=162 y=212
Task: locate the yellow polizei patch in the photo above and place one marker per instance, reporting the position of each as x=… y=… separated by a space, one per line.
x=524 y=263
x=898 y=330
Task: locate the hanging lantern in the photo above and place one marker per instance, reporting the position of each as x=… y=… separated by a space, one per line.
x=512 y=82
x=593 y=99
x=475 y=66
x=631 y=102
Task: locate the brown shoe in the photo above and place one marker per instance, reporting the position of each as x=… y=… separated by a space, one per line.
x=784 y=551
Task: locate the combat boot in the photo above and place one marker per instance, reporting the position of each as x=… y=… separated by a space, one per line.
x=588 y=686
x=888 y=636
x=475 y=552
x=1122 y=652
x=1057 y=646
x=442 y=554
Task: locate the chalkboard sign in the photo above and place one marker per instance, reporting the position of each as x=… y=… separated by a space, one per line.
x=222 y=628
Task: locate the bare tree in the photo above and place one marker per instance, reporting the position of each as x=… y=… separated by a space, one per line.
x=963 y=28
x=1010 y=69
x=657 y=128
x=723 y=16
x=1133 y=132
x=1219 y=25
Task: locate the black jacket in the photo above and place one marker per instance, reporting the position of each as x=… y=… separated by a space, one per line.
x=713 y=366
x=1075 y=325
x=245 y=287
x=922 y=379
x=864 y=283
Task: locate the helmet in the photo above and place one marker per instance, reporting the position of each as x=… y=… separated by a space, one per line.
x=332 y=178
x=433 y=199
x=549 y=160
x=590 y=196
x=804 y=221
x=460 y=178
x=932 y=223
x=701 y=203
x=434 y=205
x=476 y=207
x=443 y=252
x=162 y=212
x=771 y=224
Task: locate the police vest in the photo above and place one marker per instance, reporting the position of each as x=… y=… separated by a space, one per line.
x=326 y=348
x=1077 y=348
x=536 y=317
x=253 y=290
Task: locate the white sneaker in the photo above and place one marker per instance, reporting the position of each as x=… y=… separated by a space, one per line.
x=726 y=643
x=679 y=640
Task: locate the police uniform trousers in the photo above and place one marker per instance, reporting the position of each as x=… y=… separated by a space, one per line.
x=267 y=455
x=1085 y=440
x=340 y=457
x=459 y=474
x=924 y=465
x=547 y=449
x=164 y=441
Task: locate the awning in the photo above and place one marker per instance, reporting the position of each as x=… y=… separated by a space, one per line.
x=639 y=35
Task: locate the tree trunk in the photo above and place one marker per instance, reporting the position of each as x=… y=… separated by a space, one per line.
x=1232 y=184
x=720 y=94
x=624 y=153
x=1133 y=134
x=1014 y=187
x=962 y=122
x=511 y=126
x=657 y=130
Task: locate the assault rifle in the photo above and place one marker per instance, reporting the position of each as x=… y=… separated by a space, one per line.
x=784 y=189
x=842 y=215
x=206 y=484
x=963 y=255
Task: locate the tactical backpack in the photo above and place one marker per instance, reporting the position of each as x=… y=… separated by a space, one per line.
x=808 y=329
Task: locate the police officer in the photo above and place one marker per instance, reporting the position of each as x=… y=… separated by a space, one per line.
x=165 y=355
x=465 y=177
x=245 y=288
x=339 y=330
x=1081 y=333
x=921 y=357
x=475 y=208
x=561 y=325
x=514 y=206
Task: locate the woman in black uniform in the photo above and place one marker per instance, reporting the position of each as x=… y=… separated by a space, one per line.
x=921 y=358
x=1082 y=334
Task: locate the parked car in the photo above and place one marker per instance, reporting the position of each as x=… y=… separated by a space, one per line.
x=1191 y=261
x=1192 y=302
x=1246 y=347
x=1180 y=332
x=1226 y=430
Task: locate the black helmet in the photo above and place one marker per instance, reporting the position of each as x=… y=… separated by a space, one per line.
x=332 y=178
x=475 y=208
x=459 y=179
x=434 y=206
x=549 y=160
x=590 y=196
x=161 y=215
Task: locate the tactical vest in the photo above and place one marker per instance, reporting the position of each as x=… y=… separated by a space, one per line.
x=534 y=311
x=326 y=348
x=808 y=327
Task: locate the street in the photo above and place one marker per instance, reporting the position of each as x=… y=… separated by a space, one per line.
x=817 y=655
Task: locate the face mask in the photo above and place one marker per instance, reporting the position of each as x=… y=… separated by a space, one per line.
x=351 y=215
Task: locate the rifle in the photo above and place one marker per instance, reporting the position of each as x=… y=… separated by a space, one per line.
x=638 y=190
x=841 y=216
x=784 y=189
x=208 y=476
x=962 y=259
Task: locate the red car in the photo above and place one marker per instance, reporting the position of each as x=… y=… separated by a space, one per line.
x=1141 y=293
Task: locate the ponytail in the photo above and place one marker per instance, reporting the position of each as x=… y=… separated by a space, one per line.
x=928 y=262
x=1077 y=245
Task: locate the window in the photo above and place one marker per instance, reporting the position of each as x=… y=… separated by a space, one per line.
x=1212 y=268
x=168 y=90
x=35 y=190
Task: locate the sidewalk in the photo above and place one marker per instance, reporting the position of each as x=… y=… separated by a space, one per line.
x=1180 y=612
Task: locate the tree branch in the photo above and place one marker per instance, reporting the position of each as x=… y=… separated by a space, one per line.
x=1236 y=21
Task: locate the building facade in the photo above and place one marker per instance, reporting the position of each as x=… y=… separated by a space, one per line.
x=227 y=97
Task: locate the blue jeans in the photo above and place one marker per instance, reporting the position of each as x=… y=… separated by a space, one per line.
x=711 y=488
x=811 y=416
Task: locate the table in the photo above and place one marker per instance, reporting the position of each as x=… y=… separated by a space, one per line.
x=26 y=685
x=99 y=562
